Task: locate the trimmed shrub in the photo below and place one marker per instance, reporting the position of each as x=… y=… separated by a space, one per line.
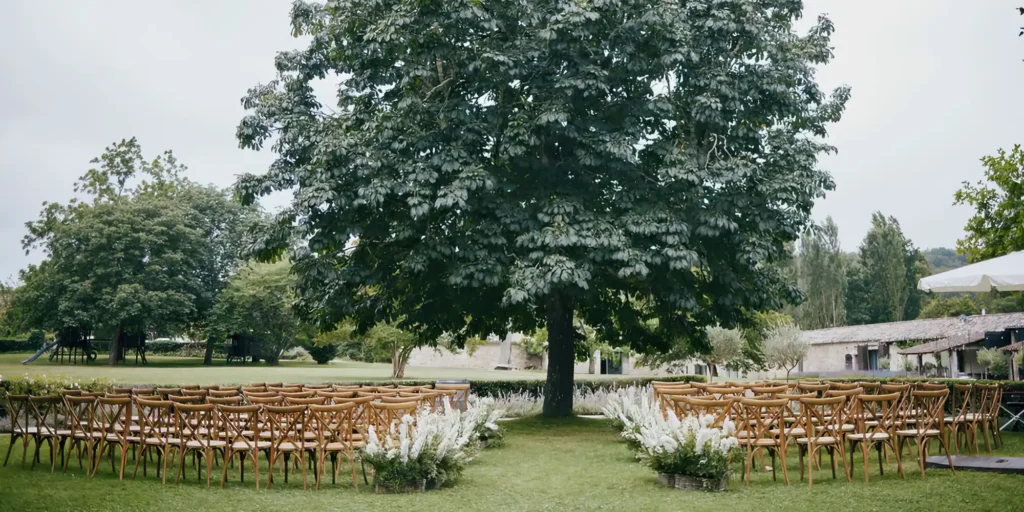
x=322 y=354
x=19 y=346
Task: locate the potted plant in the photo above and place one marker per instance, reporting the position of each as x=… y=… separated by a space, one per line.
x=687 y=453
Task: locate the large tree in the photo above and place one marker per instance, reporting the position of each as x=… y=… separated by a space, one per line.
x=257 y=303
x=883 y=282
x=142 y=248
x=511 y=164
x=997 y=227
x=822 y=277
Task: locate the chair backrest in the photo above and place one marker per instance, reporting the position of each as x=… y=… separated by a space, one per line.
x=850 y=402
x=147 y=397
x=210 y=387
x=870 y=388
x=960 y=401
x=240 y=424
x=156 y=420
x=823 y=417
x=334 y=423
x=928 y=409
x=877 y=413
x=196 y=423
x=383 y=415
x=166 y=392
x=362 y=414
x=191 y=386
x=315 y=387
x=285 y=422
x=929 y=386
x=720 y=409
x=46 y=411
x=272 y=384
x=768 y=392
x=262 y=394
x=904 y=390
x=19 y=413
x=143 y=391
x=71 y=392
x=669 y=400
x=202 y=393
x=237 y=389
x=221 y=393
x=284 y=389
x=331 y=396
x=254 y=389
x=297 y=394
x=346 y=387
x=114 y=416
x=414 y=388
x=994 y=393
x=224 y=400
x=841 y=386
x=80 y=413
x=121 y=391
x=313 y=400
x=760 y=416
x=722 y=393
x=265 y=400
x=809 y=387
x=186 y=399
x=461 y=398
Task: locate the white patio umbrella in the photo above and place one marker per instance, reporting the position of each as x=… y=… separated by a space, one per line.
x=1005 y=274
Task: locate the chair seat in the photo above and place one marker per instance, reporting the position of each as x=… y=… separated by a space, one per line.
x=212 y=443
x=258 y=445
x=759 y=442
x=291 y=447
x=791 y=432
x=914 y=432
x=64 y=433
x=25 y=430
x=845 y=427
x=873 y=436
x=336 y=447
x=820 y=440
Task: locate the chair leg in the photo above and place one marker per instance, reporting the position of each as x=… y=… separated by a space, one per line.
x=10 y=448
x=782 y=458
x=832 y=459
x=948 y=458
x=864 y=453
x=135 y=472
x=842 y=455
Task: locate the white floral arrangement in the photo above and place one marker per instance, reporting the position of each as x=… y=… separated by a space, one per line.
x=629 y=408
x=518 y=405
x=688 y=446
x=485 y=413
x=431 y=446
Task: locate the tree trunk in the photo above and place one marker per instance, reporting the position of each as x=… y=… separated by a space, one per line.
x=561 y=357
x=115 y=347
x=208 y=357
x=592 y=370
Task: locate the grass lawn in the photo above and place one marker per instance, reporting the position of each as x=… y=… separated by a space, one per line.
x=565 y=465
x=181 y=370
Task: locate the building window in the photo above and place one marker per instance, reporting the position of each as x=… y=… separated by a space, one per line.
x=849 y=362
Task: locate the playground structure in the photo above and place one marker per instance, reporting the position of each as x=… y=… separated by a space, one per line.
x=73 y=344
x=243 y=347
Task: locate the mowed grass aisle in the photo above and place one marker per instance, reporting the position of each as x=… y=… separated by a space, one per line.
x=575 y=464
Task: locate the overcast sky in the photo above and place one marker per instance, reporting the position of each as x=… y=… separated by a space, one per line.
x=936 y=85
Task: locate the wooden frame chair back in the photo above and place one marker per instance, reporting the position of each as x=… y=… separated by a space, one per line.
x=224 y=400
x=461 y=398
x=312 y=400
x=877 y=413
x=166 y=392
x=265 y=400
x=842 y=386
x=114 y=416
x=816 y=388
x=186 y=399
x=143 y=391
x=284 y=389
x=383 y=415
x=18 y=412
x=928 y=409
x=201 y=393
x=195 y=423
x=297 y=394
x=253 y=389
x=341 y=388
x=336 y=395
x=725 y=392
x=47 y=412
x=156 y=421
x=960 y=402
x=121 y=391
x=269 y=385
x=870 y=388
x=315 y=387
x=768 y=392
x=191 y=387
x=241 y=425
x=929 y=386
x=850 y=394
x=760 y=416
x=285 y=423
x=823 y=417
x=334 y=423
x=721 y=410
x=260 y=394
x=80 y=414
x=224 y=393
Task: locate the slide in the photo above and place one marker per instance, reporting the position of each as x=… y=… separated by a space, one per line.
x=41 y=351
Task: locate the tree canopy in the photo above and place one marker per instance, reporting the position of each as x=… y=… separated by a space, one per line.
x=512 y=164
x=823 y=277
x=141 y=250
x=997 y=226
x=883 y=280
x=257 y=303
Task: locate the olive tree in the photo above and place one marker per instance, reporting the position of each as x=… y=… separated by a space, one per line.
x=784 y=347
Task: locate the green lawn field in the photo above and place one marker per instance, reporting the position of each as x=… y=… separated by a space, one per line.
x=567 y=465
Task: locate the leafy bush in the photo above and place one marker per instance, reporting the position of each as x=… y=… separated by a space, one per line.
x=18 y=346
x=37 y=338
x=687 y=446
x=296 y=354
x=322 y=354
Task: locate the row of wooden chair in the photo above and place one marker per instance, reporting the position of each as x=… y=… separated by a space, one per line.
x=229 y=422
x=828 y=415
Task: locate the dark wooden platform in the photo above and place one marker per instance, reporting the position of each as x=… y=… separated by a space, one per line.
x=996 y=464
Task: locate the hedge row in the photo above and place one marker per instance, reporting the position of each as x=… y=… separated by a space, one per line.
x=158 y=348
x=19 y=346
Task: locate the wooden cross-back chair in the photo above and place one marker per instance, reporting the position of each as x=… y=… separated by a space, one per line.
x=312 y=400
x=841 y=386
x=197 y=434
x=822 y=419
x=224 y=400
x=284 y=389
x=18 y=413
x=768 y=392
x=791 y=425
x=114 y=425
x=870 y=388
x=201 y=393
x=987 y=416
x=429 y=399
x=286 y=438
x=121 y=391
x=925 y=422
x=260 y=394
x=143 y=391
x=361 y=417
x=191 y=387
x=904 y=401
x=269 y=385
x=241 y=431
x=265 y=400
x=297 y=394
x=759 y=418
x=253 y=389
x=849 y=412
x=186 y=399
x=961 y=422
x=209 y=387
x=222 y=393
x=722 y=393
x=166 y=392
x=331 y=396
x=346 y=387
x=334 y=425
x=81 y=424
x=156 y=427
x=47 y=413
x=315 y=387
x=876 y=426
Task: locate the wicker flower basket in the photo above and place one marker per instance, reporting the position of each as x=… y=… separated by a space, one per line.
x=698 y=484
x=408 y=487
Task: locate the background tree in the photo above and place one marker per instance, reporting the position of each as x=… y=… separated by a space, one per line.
x=535 y=162
x=997 y=226
x=146 y=198
x=753 y=357
x=822 y=271
x=995 y=361
x=257 y=302
x=398 y=343
x=883 y=284
x=784 y=347
x=726 y=345
x=941 y=259
x=950 y=307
